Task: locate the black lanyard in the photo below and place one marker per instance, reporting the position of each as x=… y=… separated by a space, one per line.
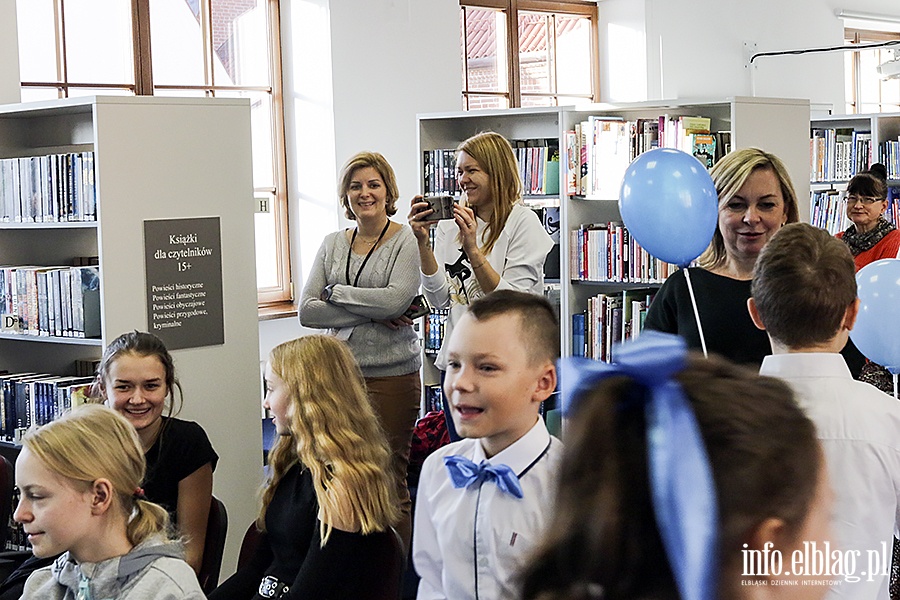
x=366 y=259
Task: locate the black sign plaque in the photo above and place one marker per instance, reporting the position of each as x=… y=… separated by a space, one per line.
x=183 y=260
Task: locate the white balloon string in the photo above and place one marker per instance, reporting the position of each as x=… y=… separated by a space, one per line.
x=687 y=277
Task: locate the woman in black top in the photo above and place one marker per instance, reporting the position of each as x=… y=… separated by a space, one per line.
x=756 y=198
x=329 y=500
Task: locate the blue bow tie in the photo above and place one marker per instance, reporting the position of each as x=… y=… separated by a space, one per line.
x=465 y=473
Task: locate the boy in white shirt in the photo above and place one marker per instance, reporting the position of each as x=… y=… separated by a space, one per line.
x=804 y=296
x=474 y=527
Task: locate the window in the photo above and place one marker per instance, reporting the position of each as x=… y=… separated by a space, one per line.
x=213 y=48
x=865 y=91
x=549 y=59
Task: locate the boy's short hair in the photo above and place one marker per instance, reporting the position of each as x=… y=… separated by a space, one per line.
x=538 y=324
x=803 y=283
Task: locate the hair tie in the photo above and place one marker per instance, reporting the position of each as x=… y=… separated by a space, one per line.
x=139 y=494
x=683 y=491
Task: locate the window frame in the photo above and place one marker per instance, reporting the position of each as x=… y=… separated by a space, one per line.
x=511 y=9
x=269 y=299
x=852 y=37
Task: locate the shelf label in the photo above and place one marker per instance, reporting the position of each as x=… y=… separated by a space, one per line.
x=9 y=323
x=183 y=260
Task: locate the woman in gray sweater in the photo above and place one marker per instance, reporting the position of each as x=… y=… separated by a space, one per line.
x=362 y=281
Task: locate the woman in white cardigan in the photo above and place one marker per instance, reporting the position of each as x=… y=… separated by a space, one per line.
x=493 y=241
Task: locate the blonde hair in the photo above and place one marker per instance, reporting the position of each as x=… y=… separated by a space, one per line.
x=729 y=175
x=334 y=433
x=94 y=442
x=378 y=162
x=495 y=156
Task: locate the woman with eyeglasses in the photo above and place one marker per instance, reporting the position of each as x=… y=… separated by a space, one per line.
x=871 y=237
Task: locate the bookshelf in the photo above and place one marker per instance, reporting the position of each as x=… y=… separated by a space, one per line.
x=841 y=146
x=774 y=124
x=154 y=158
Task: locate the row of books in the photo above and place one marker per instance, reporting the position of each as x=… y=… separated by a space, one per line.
x=607 y=252
x=838 y=154
x=537 y=159
x=538 y=162
x=828 y=210
x=28 y=399
x=599 y=150
x=439 y=173
x=890 y=156
x=51 y=188
x=57 y=301
x=608 y=320
x=433 y=328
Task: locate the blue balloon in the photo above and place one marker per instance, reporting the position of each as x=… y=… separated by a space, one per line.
x=669 y=204
x=877 y=329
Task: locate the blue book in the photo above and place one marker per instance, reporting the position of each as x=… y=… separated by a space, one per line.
x=578 y=328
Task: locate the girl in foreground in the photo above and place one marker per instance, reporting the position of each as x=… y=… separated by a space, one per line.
x=331 y=498
x=735 y=470
x=79 y=478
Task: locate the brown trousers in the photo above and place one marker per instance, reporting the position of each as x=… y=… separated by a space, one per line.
x=396 y=402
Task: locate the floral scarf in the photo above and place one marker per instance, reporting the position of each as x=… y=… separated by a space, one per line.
x=860 y=242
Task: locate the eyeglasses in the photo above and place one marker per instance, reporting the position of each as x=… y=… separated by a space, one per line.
x=853 y=199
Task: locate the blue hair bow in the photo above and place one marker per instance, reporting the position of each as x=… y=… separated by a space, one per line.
x=684 y=493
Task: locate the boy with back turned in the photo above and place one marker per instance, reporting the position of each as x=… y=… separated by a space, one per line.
x=804 y=296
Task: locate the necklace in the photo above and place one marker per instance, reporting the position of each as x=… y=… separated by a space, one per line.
x=368 y=254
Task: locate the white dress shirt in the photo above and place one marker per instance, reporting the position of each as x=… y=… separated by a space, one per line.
x=518 y=257
x=473 y=542
x=859 y=428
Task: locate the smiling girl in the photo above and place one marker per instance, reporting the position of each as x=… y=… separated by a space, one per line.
x=136 y=378
x=80 y=497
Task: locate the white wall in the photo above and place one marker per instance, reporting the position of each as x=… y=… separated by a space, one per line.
x=356 y=74
x=695 y=48
x=9 y=54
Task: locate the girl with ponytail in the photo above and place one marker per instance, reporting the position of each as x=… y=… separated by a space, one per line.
x=79 y=481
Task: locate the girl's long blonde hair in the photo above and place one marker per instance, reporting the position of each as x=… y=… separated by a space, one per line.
x=495 y=156
x=94 y=442
x=335 y=434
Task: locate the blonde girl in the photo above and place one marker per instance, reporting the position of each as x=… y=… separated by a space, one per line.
x=79 y=481
x=330 y=497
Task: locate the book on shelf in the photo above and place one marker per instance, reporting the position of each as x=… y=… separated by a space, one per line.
x=48 y=188
x=537 y=160
x=609 y=319
x=433 y=398
x=57 y=301
x=703 y=147
x=28 y=399
x=839 y=153
x=607 y=252
x=434 y=326
x=599 y=150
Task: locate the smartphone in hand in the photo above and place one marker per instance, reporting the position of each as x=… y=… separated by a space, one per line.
x=418 y=308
